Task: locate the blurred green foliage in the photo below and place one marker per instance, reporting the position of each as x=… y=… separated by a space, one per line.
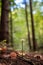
x=19 y=24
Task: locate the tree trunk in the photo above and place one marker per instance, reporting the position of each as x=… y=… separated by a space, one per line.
x=26 y=13
x=33 y=31
x=5 y=21
x=11 y=29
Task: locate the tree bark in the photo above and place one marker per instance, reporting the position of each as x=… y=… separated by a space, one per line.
x=26 y=13
x=5 y=21
x=11 y=29
x=33 y=30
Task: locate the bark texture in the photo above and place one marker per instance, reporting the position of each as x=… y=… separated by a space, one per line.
x=33 y=30
x=5 y=21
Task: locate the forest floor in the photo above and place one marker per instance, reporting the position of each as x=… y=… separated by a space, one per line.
x=17 y=58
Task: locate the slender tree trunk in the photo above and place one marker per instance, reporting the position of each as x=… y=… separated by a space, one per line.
x=33 y=31
x=5 y=21
x=26 y=13
x=11 y=29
